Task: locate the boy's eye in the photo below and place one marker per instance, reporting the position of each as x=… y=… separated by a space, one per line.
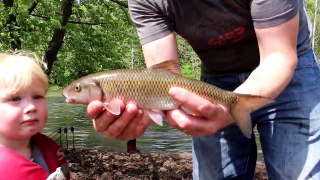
x=38 y=97
x=15 y=98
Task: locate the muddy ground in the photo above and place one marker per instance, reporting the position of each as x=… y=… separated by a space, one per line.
x=94 y=164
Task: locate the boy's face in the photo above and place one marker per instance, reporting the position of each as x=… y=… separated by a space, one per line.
x=23 y=114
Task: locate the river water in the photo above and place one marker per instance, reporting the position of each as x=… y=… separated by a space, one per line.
x=67 y=117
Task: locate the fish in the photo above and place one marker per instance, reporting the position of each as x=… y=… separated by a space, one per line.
x=148 y=88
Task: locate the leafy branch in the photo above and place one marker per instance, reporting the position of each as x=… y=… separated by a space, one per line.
x=70 y=21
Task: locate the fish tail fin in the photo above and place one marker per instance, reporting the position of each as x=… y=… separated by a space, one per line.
x=241 y=111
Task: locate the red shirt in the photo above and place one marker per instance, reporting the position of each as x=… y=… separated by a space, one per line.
x=14 y=166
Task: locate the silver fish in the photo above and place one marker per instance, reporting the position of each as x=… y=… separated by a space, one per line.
x=149 y=87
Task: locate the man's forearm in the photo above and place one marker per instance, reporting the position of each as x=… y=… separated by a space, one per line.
x=271 y=77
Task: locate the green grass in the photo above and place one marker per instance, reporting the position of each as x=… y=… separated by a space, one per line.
x=54 y=87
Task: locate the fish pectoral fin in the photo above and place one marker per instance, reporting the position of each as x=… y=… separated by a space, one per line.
x=156 y=116
x=241 y=111
x=186 y=110
x=112 y=108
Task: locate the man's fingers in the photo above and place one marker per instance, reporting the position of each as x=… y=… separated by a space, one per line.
x=137 y=126
x=117 y=127
x=130 y=124
x=196 y=104
x=96 y=108
x=181 y=120
x=197 y=125
x=102 y=118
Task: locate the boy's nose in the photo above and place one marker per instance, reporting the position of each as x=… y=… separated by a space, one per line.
x=30 y=108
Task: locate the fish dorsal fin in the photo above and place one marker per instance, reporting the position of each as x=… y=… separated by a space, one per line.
x=169 y=65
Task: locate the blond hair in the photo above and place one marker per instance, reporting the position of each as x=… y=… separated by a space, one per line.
x=19 y=68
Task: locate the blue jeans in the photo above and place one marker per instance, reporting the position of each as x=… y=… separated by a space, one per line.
x=289 y=131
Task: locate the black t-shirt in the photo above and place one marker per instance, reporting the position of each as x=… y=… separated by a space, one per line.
x=220 y=32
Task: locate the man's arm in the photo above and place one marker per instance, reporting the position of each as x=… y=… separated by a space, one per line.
x=161 y=50
x=278 y=60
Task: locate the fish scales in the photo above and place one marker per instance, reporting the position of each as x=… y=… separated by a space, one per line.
x=149 y=88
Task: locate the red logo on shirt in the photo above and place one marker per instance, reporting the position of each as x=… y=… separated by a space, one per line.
x=230 y=37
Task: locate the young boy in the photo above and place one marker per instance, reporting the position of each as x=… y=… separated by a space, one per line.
x=25 y=153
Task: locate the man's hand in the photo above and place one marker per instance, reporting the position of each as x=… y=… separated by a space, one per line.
x=205 y=118
x=130 y=124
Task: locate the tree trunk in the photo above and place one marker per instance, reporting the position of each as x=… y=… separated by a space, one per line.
x=58 y=36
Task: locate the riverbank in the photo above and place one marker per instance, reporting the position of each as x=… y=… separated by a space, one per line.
x=96 y=164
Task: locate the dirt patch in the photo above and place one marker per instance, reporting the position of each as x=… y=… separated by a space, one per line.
x=95 y=164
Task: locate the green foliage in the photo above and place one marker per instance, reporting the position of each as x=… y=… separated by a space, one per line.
x=91 y=48
x=99 y=36
x=315 y=19
x=189 y=70
x=26 y=3
x=189 y=60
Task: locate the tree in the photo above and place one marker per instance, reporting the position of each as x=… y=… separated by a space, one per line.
x=74 y=38
x=58 y=35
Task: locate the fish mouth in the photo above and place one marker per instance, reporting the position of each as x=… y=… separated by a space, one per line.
x=68 y=99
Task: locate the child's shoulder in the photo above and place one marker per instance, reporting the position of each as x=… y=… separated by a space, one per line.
x=48 y=147
x=7 y=155
x=15 y=166
x=51 y=151
x=43 y=140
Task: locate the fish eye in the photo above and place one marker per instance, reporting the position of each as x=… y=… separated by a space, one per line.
x=78 y=87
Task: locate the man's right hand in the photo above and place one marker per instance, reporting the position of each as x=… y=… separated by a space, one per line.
x=130 y=124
